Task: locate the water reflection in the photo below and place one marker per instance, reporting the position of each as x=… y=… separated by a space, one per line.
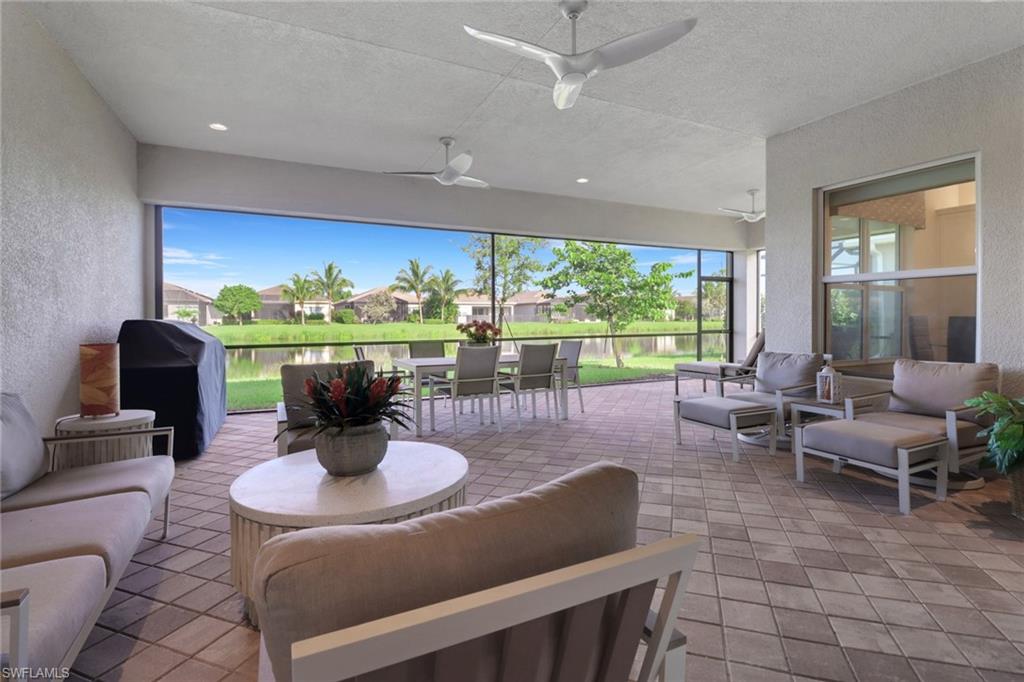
x=260 y=363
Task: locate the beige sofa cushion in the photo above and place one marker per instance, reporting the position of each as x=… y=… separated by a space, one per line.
x=322 y=579
x=293 y=388
x=63 y=596
x=109 y=527
x=931 y=388
x=150 y=475
x=865 y=441
x=24 y=455
x=966 y=431
x=716 y=411
x=782 y=370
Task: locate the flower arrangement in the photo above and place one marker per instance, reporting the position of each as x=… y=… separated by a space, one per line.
x=353 y=396
x=479 y=331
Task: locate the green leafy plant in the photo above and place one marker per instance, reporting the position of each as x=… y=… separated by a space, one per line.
x=353 y=396
x=1006 y=434
x=237 y=300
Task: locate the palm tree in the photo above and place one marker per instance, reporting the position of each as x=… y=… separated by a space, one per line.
x=299 y=290
x=445 y=287
x=414 y=280
x=332 y=284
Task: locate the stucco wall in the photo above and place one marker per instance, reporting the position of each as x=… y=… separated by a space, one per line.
x=71 y=256
x=978 y=109
x=184 y=177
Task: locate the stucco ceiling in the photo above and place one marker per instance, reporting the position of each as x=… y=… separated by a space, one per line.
x=371 y=85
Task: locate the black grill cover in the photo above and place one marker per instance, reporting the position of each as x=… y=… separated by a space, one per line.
x=177 y=370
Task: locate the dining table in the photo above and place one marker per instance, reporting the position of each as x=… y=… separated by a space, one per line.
x=421 y=368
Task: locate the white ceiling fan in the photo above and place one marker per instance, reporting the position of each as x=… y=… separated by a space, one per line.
x=454 y=171
x=751 y=216
x=573 y=70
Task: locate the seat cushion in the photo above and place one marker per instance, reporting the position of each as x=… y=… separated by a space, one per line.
x=716 y=411
x=866 y=441
x=150 y=475
x=109 y=527
x=931 y=388
x=966 y=431
x=24 y=454
x=322 y=579
x=63 y=596
x=782 y=370
x=708 y=368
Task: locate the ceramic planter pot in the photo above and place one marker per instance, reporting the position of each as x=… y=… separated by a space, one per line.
x=354 y=451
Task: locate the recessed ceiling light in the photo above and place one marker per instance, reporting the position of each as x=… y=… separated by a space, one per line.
x=219 y=127
x=583 y=181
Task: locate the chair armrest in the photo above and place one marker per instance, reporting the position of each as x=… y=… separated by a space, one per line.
x=863 y=400
x=738 y=369
x=739 y=379
x=798 y=387
x=167 y=431
x=282 y=413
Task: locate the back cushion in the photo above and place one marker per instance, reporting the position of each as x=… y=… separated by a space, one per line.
x=782 y=370
x=293 y=383
x=931 y=388
x=24 y=456
x=323 y=579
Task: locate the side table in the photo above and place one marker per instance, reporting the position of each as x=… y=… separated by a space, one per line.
x=78 y=454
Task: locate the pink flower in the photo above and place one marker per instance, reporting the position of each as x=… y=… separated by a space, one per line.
x=337 y=390
x=310 y=387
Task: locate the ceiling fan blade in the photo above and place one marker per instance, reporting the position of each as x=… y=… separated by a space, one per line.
x=638 y=45
x=567 y=89
x=466 y=181
x=734 y=211
x=455 y=168
x=411 y=174
x=514 y=45
x=754 y=217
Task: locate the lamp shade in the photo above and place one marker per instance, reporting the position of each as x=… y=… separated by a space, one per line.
x=99 y=393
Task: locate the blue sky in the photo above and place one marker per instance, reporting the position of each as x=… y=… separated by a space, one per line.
x=205 y=250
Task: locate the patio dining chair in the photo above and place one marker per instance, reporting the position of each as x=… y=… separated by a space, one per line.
x=476 y=377
x=294 y=412
x=570 y=351
x=535 y=372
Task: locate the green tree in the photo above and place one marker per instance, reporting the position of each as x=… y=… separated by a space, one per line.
x=187 y=314
x=714 y=304
x=686 y=309
x=299 y=290
x=515 y=264
x=380 y=307
x=237 y=300
x=414 y=280
x=605 y=278
x=445 y=288
x=332 y=284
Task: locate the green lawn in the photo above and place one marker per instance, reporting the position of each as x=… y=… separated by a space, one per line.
x=400 y=332
x=254 y=394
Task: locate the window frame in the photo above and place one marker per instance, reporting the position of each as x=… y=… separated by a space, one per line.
x=863 y=280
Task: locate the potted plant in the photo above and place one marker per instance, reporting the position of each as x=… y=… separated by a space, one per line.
x=350 y=407
x=1005 y=440
x=479 y=332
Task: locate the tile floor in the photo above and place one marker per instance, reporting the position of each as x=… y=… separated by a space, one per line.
x=815 y=581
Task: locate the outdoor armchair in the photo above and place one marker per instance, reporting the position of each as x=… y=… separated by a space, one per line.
x=779 y=379
x=712 y=371
x=294 y=412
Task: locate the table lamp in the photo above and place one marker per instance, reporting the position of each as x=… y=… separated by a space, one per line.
x=99 y=393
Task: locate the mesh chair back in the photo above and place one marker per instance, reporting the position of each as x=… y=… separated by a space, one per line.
x=537 y=366
x=570 y=350
x=426 y=349
x=476 y=368
x=360 y=352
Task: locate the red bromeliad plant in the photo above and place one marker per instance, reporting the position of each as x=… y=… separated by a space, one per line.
x=480 y=331
x=353 y=396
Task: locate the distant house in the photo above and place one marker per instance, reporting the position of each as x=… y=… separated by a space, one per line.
x=526 y=306
x=178 y=298
x=277 y=307
x=405 y=303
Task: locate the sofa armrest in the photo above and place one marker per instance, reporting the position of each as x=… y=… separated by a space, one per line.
x=53 y=441
x=282 y=414
x=14 y=606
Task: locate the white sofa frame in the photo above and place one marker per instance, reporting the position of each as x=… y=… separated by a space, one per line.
x=734 y=429
x=578 y=590
x=901 y=473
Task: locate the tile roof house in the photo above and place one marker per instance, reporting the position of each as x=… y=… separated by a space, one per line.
x=177 y=298
x=277 y=307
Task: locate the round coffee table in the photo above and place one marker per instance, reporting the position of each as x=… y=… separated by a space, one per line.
x=294 y=492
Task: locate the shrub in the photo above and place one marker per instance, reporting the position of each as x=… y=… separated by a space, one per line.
x=345 y=316
x=312 y=317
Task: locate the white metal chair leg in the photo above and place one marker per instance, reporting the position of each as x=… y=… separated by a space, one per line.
x=676 y=418
x=798 y=453
x=499 y=411
x=479 y=399
x=455 y=415
x=519 y=413
x=942 y=473
x=579 y=390
x=547 y=403
x=734 y=437
x=431 y=399
x=533 y=402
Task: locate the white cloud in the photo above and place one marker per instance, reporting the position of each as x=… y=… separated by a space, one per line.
x=177 y=256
